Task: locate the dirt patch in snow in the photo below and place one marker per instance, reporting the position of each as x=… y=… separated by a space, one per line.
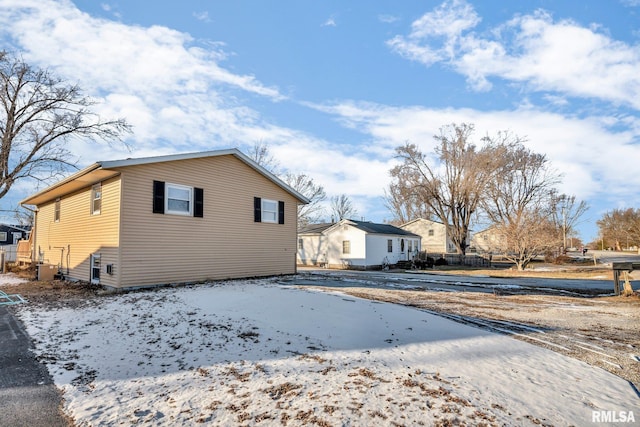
x=56 y=292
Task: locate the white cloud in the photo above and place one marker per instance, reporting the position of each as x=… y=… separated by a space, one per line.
x=388 y=19
x=330 y=22
x=446 y=23
x=533 y=49
x=202 y=16
x=172 y=90
x=177 y=94
x=595 y=160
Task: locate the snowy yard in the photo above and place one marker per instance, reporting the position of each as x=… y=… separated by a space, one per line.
x=255 y=353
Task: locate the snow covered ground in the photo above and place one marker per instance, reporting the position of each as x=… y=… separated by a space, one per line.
x=252 y=352
x=8 y=279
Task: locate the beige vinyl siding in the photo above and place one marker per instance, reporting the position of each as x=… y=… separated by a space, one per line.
x=436 y=243
x=225 y=243
x=70 y=241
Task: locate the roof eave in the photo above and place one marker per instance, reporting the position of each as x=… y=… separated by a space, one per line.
x=42 y=194
x=110 y=167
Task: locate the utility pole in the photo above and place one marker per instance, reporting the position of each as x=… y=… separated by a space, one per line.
x=563 y=200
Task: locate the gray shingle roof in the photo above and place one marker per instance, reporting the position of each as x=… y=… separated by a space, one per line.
x=366 y=226
x=315 y=228
x=371 y=227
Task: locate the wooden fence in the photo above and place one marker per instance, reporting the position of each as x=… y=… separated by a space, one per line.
x=10 y=252
x=470 y=260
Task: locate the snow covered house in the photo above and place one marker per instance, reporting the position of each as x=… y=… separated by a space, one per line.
x=167 y=219
x=433 y=234
x=355 y=244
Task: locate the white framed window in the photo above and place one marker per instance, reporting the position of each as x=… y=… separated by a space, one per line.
x=301 y=244
x=179 y=200
x=3 y=236
x=95 y=261
x=389 y=245
x=56 y=210
x=266 y=210
x=430 y=233
x=346 y=246
x=269 y=210
x=96 y=199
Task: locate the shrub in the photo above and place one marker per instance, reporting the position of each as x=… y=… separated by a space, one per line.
x=441 y=261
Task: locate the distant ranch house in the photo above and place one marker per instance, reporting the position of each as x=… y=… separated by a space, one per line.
x=433 y=234
x=355 y=244
x=167 y=219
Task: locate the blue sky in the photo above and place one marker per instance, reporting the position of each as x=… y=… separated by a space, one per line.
x=333 y=87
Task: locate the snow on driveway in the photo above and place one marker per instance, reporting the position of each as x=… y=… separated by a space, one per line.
x=254 y=353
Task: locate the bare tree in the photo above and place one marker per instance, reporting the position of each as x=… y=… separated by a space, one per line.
x=520 y=200
x=620 y=226
x=342 y=208
x=302 y=183
x=566 y=211
x=403 y=203
x=261 y=154
x=453 y=185
x=39 y=113
x=23 y=217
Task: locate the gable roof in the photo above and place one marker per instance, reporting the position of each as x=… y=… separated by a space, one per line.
x=421 y=220
x=100 y=171
x=24 y=229
x=315 y=228
x=366 y=226
x=374 y=228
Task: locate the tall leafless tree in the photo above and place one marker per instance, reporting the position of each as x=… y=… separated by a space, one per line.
x=302 y=183
x=342 y=208
x=620 y=227
x=452 y=184
x=520 y=200
x=567 y=211
x=403 y=204
x=39 y=114
x=261 y=154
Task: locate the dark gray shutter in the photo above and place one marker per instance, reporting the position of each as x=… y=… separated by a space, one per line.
x=198 y=202
x=158 y=197
x=257 y=209
x=280 y=212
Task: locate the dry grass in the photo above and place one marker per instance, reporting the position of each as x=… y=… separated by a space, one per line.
x=552 y=272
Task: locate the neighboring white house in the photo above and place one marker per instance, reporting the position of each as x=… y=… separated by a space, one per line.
x=355 y=244
x=433 y=234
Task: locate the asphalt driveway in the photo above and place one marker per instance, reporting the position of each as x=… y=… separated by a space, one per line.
x=27 y=395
